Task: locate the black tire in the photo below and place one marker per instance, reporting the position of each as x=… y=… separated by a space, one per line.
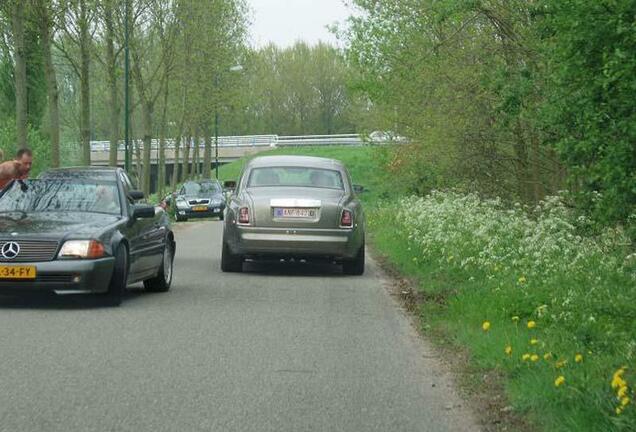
x=355 y=266
x=119 y=279
x=163 y=280
x=230 y=263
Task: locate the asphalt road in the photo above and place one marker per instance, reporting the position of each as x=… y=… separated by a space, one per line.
x=278 y=348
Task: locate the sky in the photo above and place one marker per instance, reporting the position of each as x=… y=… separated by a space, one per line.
x=283 y=22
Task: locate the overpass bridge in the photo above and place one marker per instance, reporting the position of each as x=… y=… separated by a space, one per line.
x=230 y=147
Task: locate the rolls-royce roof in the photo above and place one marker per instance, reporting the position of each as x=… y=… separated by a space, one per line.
x=303 y=161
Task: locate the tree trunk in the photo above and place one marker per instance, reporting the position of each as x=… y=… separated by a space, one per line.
x=140 y=168
x=51 y=82
x=146 y=120
x=197 y=144
x=17 y=21
x=161 y=168
x=538 y=189
x=207 y=173
x=175 y=170
x=526 y=190
x=185 y=170
x=85 y=99
x=113 y=100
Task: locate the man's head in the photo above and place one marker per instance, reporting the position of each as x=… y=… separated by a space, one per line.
x=24 y=157
x=104 y=193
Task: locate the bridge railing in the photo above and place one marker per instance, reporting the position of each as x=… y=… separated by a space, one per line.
x=309 y=140
x=224 y=141
x=258 y=141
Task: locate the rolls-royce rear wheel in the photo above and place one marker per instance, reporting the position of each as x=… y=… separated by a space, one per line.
x=230 y=263
x=355 y=266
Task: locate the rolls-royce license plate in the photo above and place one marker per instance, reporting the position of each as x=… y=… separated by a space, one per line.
x=290 y=212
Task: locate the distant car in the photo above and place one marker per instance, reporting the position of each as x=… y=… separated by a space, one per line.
x=79 y=230
x=294 y=207
x=203 y=198
x=386 y=137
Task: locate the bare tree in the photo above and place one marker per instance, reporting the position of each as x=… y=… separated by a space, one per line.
x=78 y=27
x=151 y=51
x=15 y=10
x=44 y=11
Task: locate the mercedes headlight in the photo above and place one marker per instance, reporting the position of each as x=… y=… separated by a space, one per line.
x=82 y=249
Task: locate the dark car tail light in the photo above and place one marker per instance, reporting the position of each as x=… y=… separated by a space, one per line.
x=346 y=220
x=244 y=215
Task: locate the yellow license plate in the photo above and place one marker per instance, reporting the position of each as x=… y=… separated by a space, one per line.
x=17 y=272
x=200 y=208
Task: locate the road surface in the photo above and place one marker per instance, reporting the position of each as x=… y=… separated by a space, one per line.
x=277 y=348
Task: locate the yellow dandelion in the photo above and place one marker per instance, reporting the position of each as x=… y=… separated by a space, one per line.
x=618 y=382
x=561 y=363
x=525 y=357
x=547 y=356
x=624 y=401
x=508 y=350
x=531 y=324
x=559 y=381
x=578 y=358
x=620 y=372
x=619 y=410
x=534 y=341
x=622 y=392
x=485 y=326
x=522 y=280
x=515 y=319
x=534 y=357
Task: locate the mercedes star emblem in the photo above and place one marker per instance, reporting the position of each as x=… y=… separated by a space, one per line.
x=10 y=250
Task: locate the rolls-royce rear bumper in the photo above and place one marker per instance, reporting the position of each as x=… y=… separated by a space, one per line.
x=295 y=242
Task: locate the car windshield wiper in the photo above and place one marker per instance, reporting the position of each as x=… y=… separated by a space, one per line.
x=5 y=214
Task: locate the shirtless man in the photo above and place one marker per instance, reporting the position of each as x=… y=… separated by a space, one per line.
x=17 y=169
x=106 y=201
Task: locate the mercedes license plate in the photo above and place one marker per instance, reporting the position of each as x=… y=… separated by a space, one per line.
x=17 y=272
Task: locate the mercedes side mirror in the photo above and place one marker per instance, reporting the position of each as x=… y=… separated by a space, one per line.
x=143 y=211
x=136 y=195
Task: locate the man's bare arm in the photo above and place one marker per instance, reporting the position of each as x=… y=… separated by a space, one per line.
x=9 y=170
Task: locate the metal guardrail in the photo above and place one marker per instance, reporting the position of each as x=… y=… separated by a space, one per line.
x=224 y=141
x=310 y=140
x=248 y=141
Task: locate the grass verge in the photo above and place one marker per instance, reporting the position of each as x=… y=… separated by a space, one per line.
x=518 y=292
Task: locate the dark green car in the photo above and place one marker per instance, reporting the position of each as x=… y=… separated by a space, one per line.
x=80 y=230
